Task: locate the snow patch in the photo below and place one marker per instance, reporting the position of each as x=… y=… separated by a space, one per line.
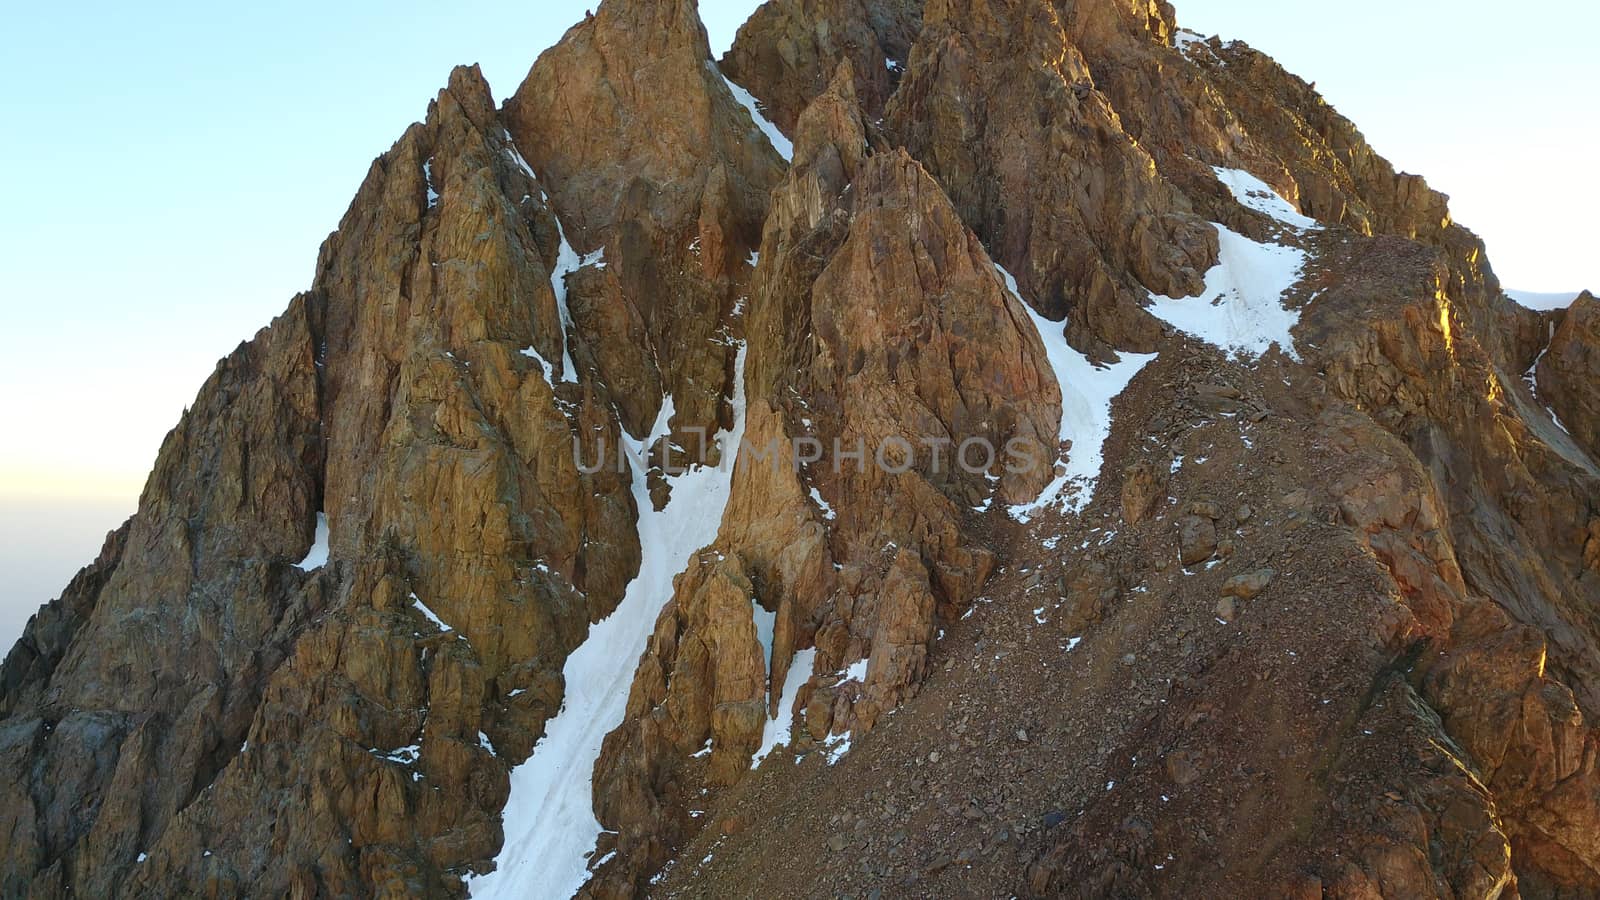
x=427 y=177
x=429 y=614
x=549 y=370
x=317 y=557
x=550 y=826
x=1183 y=39
x=766 y=623
x=1253 y=193
x=857 y=671
x=783 y=145
x=1531 y=378
x=405 y=756
x=1532 y=375
x=776 y=732
x=1241 y=309
x=567 y=262
x=836 y=746
x=827 y=511
x=516 y=155
x=1086 y=394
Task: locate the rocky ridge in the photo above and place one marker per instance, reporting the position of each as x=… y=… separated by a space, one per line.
x=1324 y=628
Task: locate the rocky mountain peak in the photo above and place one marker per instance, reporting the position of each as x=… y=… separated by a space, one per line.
x=972 y=448
x=627 y=105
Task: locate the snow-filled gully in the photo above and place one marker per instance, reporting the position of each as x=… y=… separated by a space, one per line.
x=1087 y=391
x=550 y=827
x=567 y=262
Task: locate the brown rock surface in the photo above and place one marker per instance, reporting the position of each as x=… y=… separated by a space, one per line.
x=888 y=309
x=1398 y=699
x=788 y=51
x=649 y=157
x=416 y=367
x=1197 y=539
x=128 y=695
x=1567 y=371
x=1250 y=585
x=1068 y=202
x=1143 y=487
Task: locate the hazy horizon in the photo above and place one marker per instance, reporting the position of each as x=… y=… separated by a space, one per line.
x=175 y=173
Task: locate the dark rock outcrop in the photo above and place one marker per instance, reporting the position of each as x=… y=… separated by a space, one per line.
x=789 y=50
x=1567 y=370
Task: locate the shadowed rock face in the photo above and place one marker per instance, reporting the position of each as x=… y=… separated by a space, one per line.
x=788 y=52
x=1327 y=629
x=124 y=698
x=1567 y=370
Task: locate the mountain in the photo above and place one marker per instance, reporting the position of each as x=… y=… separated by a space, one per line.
x=962 y=448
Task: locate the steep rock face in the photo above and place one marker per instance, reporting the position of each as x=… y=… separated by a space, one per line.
x=454 y=504
x=1047 y=177
x=652 y=160
x=134 y=688
x=366 y=771
x=1566 y=372
x=893 y=316
x=788 y=51
x=866 y=258
x=1518 y=494
x=159 y=673
x=49 y=632
x=1492 y=562
x=442 y=313
x=1519 y=730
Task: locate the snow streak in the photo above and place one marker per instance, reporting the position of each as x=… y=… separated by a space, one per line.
x=1086 y=394
x=550 y=826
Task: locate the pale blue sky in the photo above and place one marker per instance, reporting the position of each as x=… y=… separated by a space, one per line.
x=173 y=167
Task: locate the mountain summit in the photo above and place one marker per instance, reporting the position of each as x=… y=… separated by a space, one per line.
x=962 y=448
